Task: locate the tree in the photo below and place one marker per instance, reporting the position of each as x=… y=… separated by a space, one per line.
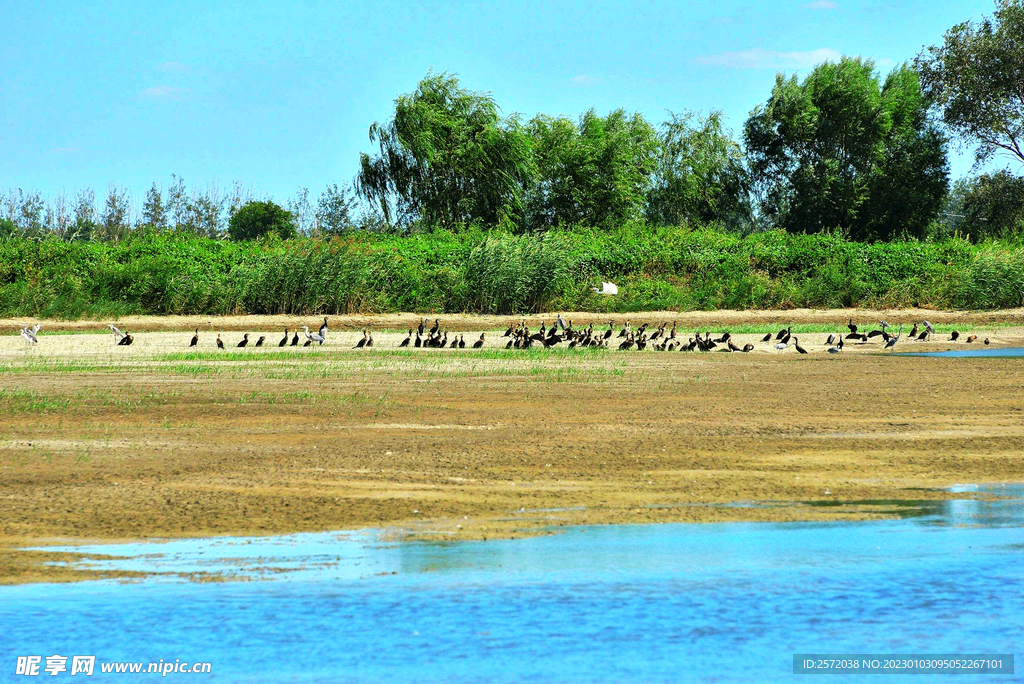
x=334 y=209
x=843 y=151
x=85 y=214
x=116 y=213
x=256 y=219
x=301 y=211
x=153 y=211
x=976 y=77
x=8 y=228
x=991 y=206
x=446 y=157
x=595 y=172
x=700 y=175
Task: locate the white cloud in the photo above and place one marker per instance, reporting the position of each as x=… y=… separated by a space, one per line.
x=770 y=59
x=161 y=92
x=822 y=5
x=585 y=79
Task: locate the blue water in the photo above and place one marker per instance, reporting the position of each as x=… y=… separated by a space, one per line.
x=636 y=603
x=988 y=352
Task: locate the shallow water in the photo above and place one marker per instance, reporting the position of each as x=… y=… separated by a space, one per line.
x=674 y=602
x=989 y=352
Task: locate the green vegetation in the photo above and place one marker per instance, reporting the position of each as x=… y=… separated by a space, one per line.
x=837 y=197
x=481 y=272
x=844 y=150
x=259 y=219
x=975 y=79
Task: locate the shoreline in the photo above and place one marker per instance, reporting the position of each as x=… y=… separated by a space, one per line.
x=514 y=525
x=107 y=443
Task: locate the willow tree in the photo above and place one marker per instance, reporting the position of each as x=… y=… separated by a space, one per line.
x=447 y=157
x=595 y=171
x=700 y=175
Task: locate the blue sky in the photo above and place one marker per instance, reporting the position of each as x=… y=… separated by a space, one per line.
x=279 y=95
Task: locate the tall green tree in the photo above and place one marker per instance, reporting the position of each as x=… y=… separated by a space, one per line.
x=988 y=206
x=447 y=157
x=843 y=150
x=153 y=211
x=596 y=171
x=700 y=173
x=256 y=219
x=976 y=77
x=334 y=210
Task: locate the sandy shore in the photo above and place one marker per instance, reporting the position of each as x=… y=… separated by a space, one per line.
x=109 y=443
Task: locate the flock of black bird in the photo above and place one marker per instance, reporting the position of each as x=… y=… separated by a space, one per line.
x=661 y=338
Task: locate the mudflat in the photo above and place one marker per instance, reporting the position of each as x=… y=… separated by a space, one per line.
x=100 y=442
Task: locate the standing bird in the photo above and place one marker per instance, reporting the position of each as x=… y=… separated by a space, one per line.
x=284 y=340
x=782 y=333
x=830 y=340
x=852 y=326
x=126 y=341
x=361 y=343
x=929 y=327
x=419 y=341
x=436 y=327
x=295 y=339
x=29 y=334
x=986 y=340
x=323 y=329
x=796 y=345
x=220 y=342
x=891 y=344
x=954 y=336
x=312 y=337
x=245 y=341
x=259 y=342
x=195 y=339
x=479 y=343
x=748 y=347
x=781 y=346
x=767 y=338
x=971 y=338
x=405 y=342
x=509 y=331
x=561 y=323
x=118 y=335
x=913 y=332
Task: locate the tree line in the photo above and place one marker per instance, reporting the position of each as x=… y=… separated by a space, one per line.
x=844 y=148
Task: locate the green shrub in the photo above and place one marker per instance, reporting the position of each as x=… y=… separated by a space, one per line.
x=479 y=272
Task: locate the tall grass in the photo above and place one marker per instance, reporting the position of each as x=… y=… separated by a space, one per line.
x=474 y=271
